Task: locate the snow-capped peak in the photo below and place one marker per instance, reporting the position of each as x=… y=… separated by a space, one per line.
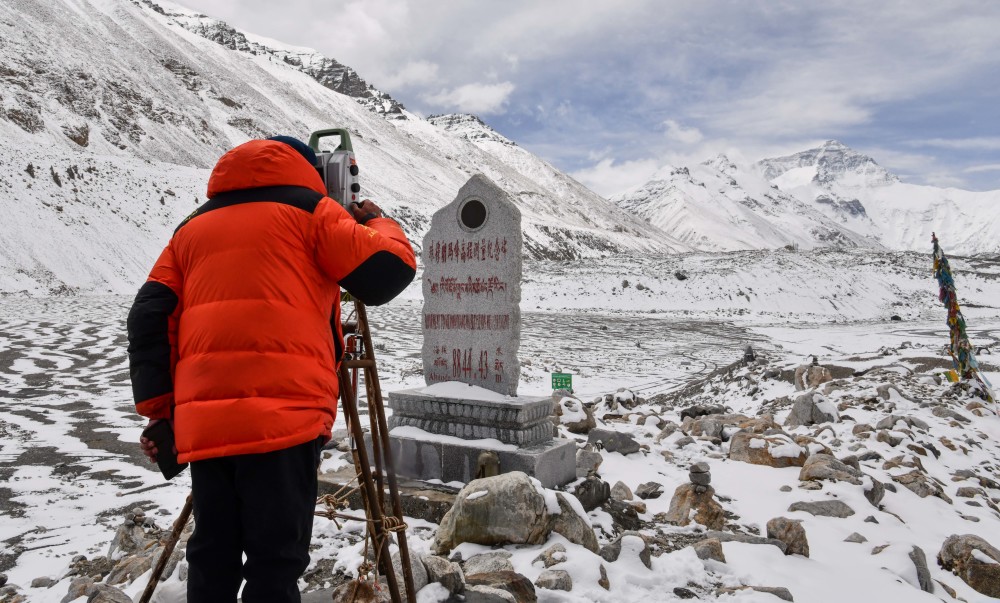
x=469 y=127
x=833 y=162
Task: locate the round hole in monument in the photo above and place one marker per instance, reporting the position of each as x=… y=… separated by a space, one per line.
x=472 y=214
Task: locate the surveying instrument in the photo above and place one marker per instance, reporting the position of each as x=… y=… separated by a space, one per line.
x=375 y=478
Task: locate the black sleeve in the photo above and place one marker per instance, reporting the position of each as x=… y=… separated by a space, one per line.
x=149 y=353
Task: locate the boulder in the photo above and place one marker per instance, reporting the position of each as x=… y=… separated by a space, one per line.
x=778 y=591
x=810 y=409
x=623 y=515
x=921 y=485
x=487 y=594
x=417 y=571
x=447 y=573
x=826 y=467
x=791 y=532
x=503 y=509
x=552 y=555
x=359 y=592
x=919 y=559
x=710 y=548
x=811 y=376
x=621 y=492
x=575 y=416
x=81 y=586
x=700 y=410
x=511 y=508
x=108 y=594
x=825 y=508
x=514 y=583
x=592 y=493
x=974 y=560
x=776 y=450
x=856 y=538
x=649 y=490
x=613 y=441
x=874 y=490
x=707 y=511
x=555 y=580
x=746 y=538
x=588 y=461
x=486 y=563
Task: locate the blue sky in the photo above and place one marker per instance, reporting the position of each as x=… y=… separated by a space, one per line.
x=610 y=91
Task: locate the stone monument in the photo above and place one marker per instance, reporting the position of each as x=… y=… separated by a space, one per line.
x=471 y=324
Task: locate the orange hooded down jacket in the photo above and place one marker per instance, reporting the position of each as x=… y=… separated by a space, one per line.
x=231 y=334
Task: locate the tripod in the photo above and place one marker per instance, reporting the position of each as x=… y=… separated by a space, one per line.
x=382 y=519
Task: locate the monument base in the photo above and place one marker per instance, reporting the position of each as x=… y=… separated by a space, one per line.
x=448 y=459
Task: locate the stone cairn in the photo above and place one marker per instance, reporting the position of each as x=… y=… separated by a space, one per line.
x=701 y=477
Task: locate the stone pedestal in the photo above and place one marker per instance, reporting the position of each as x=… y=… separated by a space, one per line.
x=434 y=437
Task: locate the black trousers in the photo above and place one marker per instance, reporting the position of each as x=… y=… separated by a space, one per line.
x=258 y=504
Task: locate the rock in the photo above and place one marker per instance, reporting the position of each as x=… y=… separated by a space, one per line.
x=791 y=532
x=447 y=573
x=968 y=492
x=861 y=428
x=512 y=512
x=710 y=548
x=552 y=555
x=785 y=488
x=588 y=461
x=921 y=485
x=701 y=410
x=707 y=511
x=512 y=582
x=874 y=490
x=624 y=515
x=919 y=560
x=684 y=593
x=43 y=582
x=487 y=594
x=131 y=567
x=811 y=376
x=776 y=450
x=574 y=415
x=613 y=441
x=592 y=493
x=700 y=479
x=825 y=467
x=889 y=437
x=3 y=579
x=555 y=580
x=108 y=594
x=855 y=537
x=667 y=431
x=603 y=580
x=631 y=544
x=572 y=523
x=685 y=441
x=359 y=592
x=649 y=490
x=969 y=557
x=79 y=587
x=485 y=563
x=128 y=539
x=621 y=492
x=947 y=413
x=746 y=538
x=417 y=571
x=826 y=508
x=890 y=422
x=810 y=409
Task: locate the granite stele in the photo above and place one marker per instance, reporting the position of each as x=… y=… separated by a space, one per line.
x=469 y=416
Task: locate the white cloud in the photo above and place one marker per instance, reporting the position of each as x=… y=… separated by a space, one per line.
x=608 y=178
x=412 y=73
x=991 y=167
x=679 y=133
x=481 y=99
x=961 y=144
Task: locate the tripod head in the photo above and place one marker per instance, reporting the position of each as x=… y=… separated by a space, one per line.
x=337 y=167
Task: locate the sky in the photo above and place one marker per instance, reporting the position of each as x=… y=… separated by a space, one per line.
x=609 y=92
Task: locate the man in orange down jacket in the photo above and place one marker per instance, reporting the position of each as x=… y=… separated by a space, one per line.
x=230 y=338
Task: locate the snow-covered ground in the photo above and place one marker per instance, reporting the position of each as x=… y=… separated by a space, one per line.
x=70 y=466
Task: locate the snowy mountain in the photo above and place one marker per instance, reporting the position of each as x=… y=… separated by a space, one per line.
x=827 y=196
x=719 y=206
x=852 y=189
x=108 y=104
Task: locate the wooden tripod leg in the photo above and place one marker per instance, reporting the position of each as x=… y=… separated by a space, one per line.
x=168 y=549
x=380 y=439
x=372 y=510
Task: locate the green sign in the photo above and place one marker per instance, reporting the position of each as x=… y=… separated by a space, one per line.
x=562 y=381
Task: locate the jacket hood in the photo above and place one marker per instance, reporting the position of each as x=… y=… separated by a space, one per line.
x=263 y=163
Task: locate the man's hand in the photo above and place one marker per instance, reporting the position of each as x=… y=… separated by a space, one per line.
x=148 y=446
x=366 y=210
